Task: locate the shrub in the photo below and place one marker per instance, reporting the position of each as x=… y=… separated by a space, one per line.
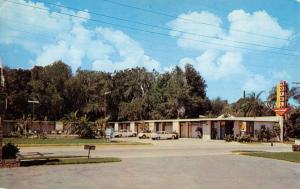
x=9 y=151
x=15 y=134
x=265 y=133
x=85 y=129
x=229 y=138
x=296 y=148
x=244 y=138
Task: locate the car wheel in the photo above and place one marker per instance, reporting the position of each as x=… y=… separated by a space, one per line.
x=144 y=136
x=173 y=137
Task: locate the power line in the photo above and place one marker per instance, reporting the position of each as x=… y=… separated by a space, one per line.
x=145 y=48
x=157 y=33
x=190 y=20
x=169 y=29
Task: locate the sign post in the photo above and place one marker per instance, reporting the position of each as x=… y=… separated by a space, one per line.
x=282 y=106
x=89 y=148
x=3 y=105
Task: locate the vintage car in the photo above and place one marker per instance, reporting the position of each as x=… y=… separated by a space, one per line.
x=145 y=134
x=164 y=135
x=124 y=133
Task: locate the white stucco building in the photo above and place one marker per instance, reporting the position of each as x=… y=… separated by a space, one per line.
x=210 y=128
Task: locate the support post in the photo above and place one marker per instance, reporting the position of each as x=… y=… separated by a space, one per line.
x=151 y=126
x=281 y=124
x=132 y=124
x=236 y=128
x=207 y=131
x=116 y=126
x=175 y=126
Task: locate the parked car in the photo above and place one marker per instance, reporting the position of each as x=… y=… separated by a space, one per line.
x=124 y=133
x=145 y=134
x=164 y=135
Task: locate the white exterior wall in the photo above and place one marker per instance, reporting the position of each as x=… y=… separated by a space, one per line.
x=194 y=126
x=184 y=130
x=151 y=126
x=207 y=131
x=116 y=126
x=236 y=128
x=168 y=128
x=132 y=126
x=281 y=122
x=218 y=126
x=176 y=126
x=257 y=125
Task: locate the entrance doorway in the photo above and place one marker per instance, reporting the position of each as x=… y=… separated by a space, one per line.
x=226 y=128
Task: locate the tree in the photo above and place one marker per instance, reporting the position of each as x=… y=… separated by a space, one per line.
x=295 y=94
x=70 y=122
x=251 y=105
x=48 y=85
x=18 y=92
x=219 y=107
x=196 y=90
x=85 y=128
x=293 y=124
x=130 y=88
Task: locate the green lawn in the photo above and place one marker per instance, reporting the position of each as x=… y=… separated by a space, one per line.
x=63 y=161
x=286 y=156
x=23 y=142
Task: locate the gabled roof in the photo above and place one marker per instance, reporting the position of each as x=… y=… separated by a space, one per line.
x=226 y=116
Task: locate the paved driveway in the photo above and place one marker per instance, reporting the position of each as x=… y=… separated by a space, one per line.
x=165 y=164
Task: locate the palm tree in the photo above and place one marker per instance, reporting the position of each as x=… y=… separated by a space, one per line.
x=70 y=122
x=251 y=105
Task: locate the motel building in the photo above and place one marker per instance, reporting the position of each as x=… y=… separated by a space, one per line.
x=210 y=128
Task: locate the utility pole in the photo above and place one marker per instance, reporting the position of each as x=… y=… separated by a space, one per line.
x=33 y=102
x=3 y=105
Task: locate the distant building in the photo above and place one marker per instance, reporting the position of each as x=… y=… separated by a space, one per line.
x=210 y=128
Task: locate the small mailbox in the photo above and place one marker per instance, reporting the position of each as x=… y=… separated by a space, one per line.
x=89 y=148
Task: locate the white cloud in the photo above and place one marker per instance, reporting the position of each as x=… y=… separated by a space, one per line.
x=257 y=83
x=66 y=38
x=217 y=62
x=20 y=23
x=215 y=65
x=194 y=30
x=298 y=1
x=205 y=30
x=280 y=75
x=260 y=23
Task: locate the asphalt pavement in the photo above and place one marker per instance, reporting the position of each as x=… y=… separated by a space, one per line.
x=184 y=163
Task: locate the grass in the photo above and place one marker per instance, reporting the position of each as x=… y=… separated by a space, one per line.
x=286 y=156
x=64 y=161
x=28 y=142
x=246 y=151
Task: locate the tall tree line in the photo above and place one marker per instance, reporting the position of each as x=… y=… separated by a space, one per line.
x=130 y=94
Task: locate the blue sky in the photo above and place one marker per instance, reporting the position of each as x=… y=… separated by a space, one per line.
x=236 y=45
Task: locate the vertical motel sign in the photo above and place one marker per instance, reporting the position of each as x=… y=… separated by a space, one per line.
x=281 y=99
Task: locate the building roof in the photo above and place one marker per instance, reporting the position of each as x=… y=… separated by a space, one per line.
x=220 y=118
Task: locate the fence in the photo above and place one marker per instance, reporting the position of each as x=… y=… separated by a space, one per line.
x=38 y=126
